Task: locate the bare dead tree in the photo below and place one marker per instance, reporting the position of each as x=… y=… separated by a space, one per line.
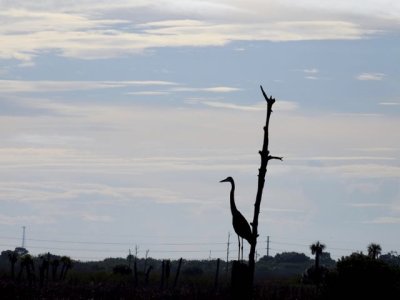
x=262 y=171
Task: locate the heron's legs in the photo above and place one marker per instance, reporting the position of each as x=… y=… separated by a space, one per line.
x=238 y=248
x=242 y=249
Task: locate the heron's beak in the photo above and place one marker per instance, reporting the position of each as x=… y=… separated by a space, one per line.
x=225 y=180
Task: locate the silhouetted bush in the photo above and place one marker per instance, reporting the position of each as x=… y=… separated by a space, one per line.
x=122 y=270
x=193 y=271
x=361 y=277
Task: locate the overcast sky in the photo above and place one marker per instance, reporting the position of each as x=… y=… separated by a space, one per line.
x=119 y=119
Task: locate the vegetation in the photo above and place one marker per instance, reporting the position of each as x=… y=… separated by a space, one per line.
x=284 y=276
x=360 y=276
x=374 y=250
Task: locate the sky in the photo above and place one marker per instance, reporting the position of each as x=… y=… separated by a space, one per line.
x=119 y=119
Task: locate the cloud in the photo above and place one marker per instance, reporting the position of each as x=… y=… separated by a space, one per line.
x=4 y=71
x=367 y=205
x=311 y=71
x=96 y=218
x=356 y=114
x=375 y=149
x=366 y=170
x=221 y=89
x=284 y=210
x=18 y=220
x=148 y=93
x=25 y=86
x=52 y=192
x=389 y=103
x=385 y=220
x=92 y=30
x=371 y=76
x=213 y=89
x=343 y=158
x=261 y=106
x=233 y=106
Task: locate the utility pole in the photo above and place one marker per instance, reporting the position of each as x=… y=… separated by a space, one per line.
x=268 y=246
x=23 y=236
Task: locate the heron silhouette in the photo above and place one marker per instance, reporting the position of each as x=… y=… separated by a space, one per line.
x=240 y=224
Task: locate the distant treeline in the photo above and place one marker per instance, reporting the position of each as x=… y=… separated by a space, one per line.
x=287 y=275
x=286 y=264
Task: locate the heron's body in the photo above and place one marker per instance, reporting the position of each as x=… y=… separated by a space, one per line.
x=239 y=222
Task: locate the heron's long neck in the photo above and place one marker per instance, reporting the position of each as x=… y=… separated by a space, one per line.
x=233 y=206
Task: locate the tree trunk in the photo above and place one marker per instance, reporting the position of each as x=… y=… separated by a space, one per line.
x=177 y=273
x=241 y=286
x=162 y=274
x=265 y=158
x=217 y=275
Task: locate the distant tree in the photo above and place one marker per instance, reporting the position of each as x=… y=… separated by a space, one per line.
x=28 y=266
x=129 y=258
x=392 y=258
x=21 y=251
x=55 y=262
x=374 y=250
x=12 y=258
x=66 y=265
x=147 y=275
x=122 y=270
x=193 y=271
x=317 y=249
x=44 y=268
x=326 y=260
x=167 y=271
x=289 y=257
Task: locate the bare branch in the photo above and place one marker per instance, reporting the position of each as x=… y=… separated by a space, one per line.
x=268 y=99
x=275 y=157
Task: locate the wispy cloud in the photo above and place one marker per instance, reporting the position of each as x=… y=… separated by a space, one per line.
x=281 y=105
x=356 y=114
x=50 y=191
x=94 y=30
x=367 y=170
x=389 y=103
x=375 y=149
x=370 y=76
x=233 y=106
x=96 y=218
x=283 y=210
x=30 y=219
x=148 y=93
x=385 y=220
x=368 y=205
x=311 y=71
x=24 y=86
x=343 y=158
x=213 y=89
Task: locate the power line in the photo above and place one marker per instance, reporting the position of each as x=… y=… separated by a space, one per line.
x=120 y=243
x=114 y=250
x=166 y=244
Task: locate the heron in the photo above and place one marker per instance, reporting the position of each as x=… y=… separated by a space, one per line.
x=239 y=222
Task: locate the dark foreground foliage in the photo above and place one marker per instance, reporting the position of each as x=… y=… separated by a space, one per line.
x=287 y=276
x=273 y=290
x=361 y=277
